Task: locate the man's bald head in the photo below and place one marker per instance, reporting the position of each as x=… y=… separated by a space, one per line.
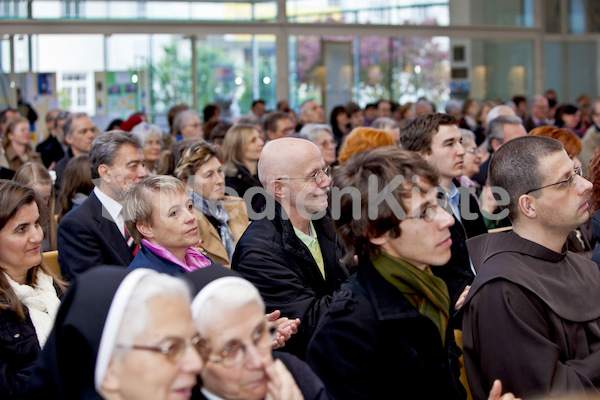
x=284 y=157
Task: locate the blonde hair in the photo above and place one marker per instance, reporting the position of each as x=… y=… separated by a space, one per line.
x=235 y=143
x=9 y=129
x=137 y=206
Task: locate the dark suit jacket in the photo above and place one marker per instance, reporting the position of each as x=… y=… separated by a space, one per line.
x=51 y=150
x=482 y=175
x=60 y=167
x=457 y=271
x=87 y=237
x=530 y=124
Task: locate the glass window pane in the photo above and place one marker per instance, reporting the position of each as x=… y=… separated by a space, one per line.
x=75 y=59
x=584 y=16
x=234 y=70
x=306 y=69
x=423 y=70
x=582 y=70
x=400 y=69
x=413 y=12
x=156 y=10
x=508 y=12
x=372 y=12
x=502 y=69
x=170 y=74
x=555 y=69
x=553 y=16
x=21 y=53
x=13 y=9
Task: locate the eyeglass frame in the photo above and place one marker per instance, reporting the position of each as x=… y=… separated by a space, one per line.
x=165 y=345
x=427 y=215
x=474 y=150
x=270 y=332
x=578 y=172
x=319 y=175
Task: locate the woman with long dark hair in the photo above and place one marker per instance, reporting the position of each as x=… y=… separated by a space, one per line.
x=29 y=290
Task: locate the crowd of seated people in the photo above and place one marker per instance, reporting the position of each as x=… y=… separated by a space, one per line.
x=386 y=249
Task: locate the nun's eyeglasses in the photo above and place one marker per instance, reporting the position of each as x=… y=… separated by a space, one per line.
x=174 y=347
x=235 y=352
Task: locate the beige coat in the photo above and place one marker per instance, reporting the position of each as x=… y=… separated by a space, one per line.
x=14 y=161
x=211 y=240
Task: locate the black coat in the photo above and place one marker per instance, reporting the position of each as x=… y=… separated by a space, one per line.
x=241 y=181
x=50 y=150
x=270 y=255
x=87 y=236
x=19 y=348
x=530 y=124
x=457 y=271
x=65 y=368
x=373 y=344
x=60 y=167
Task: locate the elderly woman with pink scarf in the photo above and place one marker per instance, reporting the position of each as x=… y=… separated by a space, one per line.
x=159 y=216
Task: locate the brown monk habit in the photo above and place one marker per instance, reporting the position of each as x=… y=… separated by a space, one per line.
x=532 y=319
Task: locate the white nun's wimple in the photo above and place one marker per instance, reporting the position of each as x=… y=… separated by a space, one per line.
x=113 y=321
x=214 y=286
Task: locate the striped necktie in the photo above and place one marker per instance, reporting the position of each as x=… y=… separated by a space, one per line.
x=135 y=247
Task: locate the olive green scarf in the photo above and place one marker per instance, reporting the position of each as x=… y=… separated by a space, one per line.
x=425 y=291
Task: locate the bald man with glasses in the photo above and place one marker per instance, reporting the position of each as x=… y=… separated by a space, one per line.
x=291 y=252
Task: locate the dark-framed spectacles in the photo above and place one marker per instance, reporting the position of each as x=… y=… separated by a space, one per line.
x=235 y=352
x=432 y=209
x=318 y=176
x=569 y=182
x=173 y=348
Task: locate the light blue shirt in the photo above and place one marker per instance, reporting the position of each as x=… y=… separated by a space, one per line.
x=454 y=200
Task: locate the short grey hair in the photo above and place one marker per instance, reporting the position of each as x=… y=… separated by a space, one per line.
x=312 y=131
x=232 y=295
x=137 y=204
x=496 y=128
x=496 y=111
x=304 y=106
x=137 y=314
x=384 y=123
x=248 y=120
x=68 y=125
x=145 y=131
x=453 y=105
x=180 y=119
x=105 y=147
x=466 y=136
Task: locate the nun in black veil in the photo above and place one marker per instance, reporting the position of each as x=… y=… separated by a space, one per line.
x=120 y=335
